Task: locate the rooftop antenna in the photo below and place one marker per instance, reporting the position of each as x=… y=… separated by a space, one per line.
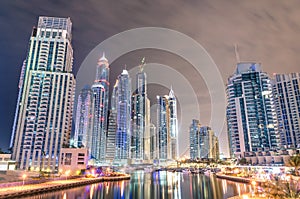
x=237 y=56
x=142 y=64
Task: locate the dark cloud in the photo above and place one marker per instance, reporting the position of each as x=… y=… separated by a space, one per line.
x=265 y=31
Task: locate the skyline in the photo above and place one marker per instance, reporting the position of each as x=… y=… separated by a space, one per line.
x=221 y=52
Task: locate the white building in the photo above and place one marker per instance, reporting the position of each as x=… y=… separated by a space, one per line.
x=43 y=119
x=73 y=160
x=287 y=97
x=251 y=114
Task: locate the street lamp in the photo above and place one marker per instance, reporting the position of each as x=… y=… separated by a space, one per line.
x=24 y=177
x=253 y=183
x=67 y=173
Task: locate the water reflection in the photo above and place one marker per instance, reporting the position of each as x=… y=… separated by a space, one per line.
x=161 y=185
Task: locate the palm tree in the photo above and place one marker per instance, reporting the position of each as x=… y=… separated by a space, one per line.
x=294 y=162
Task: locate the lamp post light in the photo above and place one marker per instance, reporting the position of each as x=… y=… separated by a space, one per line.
x=253 y=183
x=24 y=177
x=67 y=174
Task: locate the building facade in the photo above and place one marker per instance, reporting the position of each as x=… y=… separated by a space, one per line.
x=167 y=127
x=82 y=117
x=194 y=139
x=73 y=160
x=123 y=132
x=140 y=140
x=99 y=110
x=251 y=114
x=287 y=98
x=153 y=143
x=173 y=127
x=203 y=142
x=112 y=126
x=44 y=114
x=208 y=144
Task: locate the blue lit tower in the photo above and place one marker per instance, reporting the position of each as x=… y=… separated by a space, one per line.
x=82 y=117
x=99 y=109
x=167 y=127
x=287 y=95
x=112 y=125
x=43 y=120
x=251 y=115
x=163 y=135
x=140 y=145
x=194 y=139
x=123 y=132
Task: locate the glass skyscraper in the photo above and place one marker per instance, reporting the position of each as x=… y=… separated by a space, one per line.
x=173 y=124
x=287 y=95
x=167 y=127
x=99 y=109
x=140 y=140
x=43 y=119
x=194 y=139
x=123 y=133
x=251 y=114
x=163 y=135
x=112 y=125
x=203 y=142
x=82 y=117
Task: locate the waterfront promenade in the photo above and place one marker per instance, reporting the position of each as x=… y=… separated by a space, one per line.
x=25 y=190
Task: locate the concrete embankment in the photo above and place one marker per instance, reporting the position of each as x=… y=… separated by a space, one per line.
x=234 y=178
x=26 y=190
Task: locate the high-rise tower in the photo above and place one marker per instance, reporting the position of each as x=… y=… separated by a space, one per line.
x=287 y=97
x=194 y=139
x=44 y=114
x=173 y=124
x=112 y=125
x=123 y=133
x=82 y=117
x=99 y=109
x=251 y=115
x=140 y=140
x=167 y=127
x=203 y=142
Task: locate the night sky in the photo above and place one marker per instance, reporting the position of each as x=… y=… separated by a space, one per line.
x=265 y=31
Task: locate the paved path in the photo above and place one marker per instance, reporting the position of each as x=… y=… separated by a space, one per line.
x=10 y=192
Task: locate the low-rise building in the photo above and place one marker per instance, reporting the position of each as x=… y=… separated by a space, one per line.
x=73 y=160
x=278 y=157
x=6 y=163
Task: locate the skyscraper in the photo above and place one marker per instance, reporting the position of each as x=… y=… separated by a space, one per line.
x=82 y=117
x=163 y=135
x=251 y=115
x=208 y=144
x=123 y=133
x=173 y=124
x=140 y=144
x=112 y=125
x=167 y=127
x=287 y=97
x=153 y=142
x=44 y=113
x=99 y=109
x=203 y=142
x=194 y=139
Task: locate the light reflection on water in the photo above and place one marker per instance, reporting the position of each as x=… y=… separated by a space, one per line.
x=161 y=184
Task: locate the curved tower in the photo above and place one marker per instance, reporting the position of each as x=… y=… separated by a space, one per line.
x=99 y=108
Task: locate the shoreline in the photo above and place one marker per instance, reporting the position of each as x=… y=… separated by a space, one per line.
x=234 y=178
x=30 y=189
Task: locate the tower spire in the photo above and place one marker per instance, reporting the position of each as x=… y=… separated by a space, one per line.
x=103 y=58
x=142 y=64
